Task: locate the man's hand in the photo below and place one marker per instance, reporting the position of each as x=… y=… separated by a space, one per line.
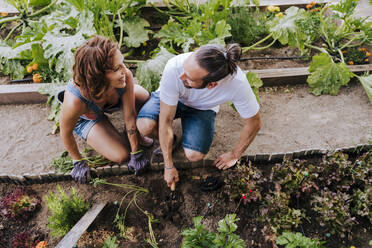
x=225 y=161
x=170 y=175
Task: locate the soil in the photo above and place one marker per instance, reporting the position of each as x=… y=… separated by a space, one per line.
x=175 y=215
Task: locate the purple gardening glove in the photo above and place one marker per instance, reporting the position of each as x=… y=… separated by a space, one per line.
x=138 y=162
x=81 y=171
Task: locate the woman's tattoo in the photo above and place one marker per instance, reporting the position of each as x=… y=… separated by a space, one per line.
x=132 y=131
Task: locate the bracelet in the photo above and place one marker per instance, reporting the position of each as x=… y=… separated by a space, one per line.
x=169 y=168
x=139 y=151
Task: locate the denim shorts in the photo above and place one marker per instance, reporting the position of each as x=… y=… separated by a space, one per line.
x=83 y=127
x=197 y=125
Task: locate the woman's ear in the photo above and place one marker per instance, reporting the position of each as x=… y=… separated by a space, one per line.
x=212 y=85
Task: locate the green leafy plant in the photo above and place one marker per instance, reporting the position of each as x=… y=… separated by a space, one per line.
x=248 y=25
x=192 y=25
x=64 y=162
x=110 y=242
x=65 y=210
x=327 y=76
x=334 y=211
x=255 y=83
x=362 y=204
x=294 y=176
x=297 y=240
x=149 y=72
x=224 y=237
x=19 y=205
x=245 y=183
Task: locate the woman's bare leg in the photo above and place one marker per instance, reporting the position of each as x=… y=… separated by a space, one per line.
x=107 y=141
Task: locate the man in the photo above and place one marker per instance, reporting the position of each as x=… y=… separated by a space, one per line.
x=192 y=87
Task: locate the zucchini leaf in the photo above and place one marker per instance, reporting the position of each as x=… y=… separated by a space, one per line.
x=149 y=72
x=285 y=29
x=367 y=84
x=326 y=76
x=255 y=83
x=135 y=27
x=59 y=47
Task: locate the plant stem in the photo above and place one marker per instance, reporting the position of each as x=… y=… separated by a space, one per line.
x=121 y=29
x=341 y=55
x=11 y=31
x=10 y=19
x=257 y=43
x=322 y=50
x=134 y=61
x=43 y=9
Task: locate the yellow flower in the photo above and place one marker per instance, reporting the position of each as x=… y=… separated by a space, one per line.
x=272 y=8
x=352 y=246
x=280 y=14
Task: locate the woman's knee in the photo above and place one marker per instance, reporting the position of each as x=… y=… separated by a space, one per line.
x=120 y=157
x=193 y=156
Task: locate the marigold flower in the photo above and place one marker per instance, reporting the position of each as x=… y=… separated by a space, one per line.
x=351 y=62
x=368 y=54
x=366 y=60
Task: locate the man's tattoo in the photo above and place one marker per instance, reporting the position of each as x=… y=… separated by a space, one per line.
x=131 y=131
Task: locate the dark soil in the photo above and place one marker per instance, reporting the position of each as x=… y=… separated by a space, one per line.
x=175 y=214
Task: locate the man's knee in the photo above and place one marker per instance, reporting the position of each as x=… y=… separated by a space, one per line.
x=146 y=126
x=193 y=156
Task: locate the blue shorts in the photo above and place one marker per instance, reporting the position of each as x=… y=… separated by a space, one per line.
x=197 y=125
x=83 y=126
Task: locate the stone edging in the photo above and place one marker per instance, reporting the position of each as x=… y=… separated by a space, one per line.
x=115 y=170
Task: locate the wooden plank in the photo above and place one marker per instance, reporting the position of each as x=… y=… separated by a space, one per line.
x=70 y=239
x=28 y=93
x=300 y=71
x=21 y=94
x=275 y=77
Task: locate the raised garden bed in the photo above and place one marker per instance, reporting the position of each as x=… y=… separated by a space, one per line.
x=176 y=215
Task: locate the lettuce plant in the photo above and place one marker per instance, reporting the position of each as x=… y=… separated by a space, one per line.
x=334 y=211
x=26 y=239
x=292 y=240
x=19 y=205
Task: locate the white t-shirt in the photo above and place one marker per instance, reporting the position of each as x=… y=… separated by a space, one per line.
x=233 y=88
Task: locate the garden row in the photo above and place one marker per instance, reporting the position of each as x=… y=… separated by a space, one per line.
x=102 y=167
x=327 y=197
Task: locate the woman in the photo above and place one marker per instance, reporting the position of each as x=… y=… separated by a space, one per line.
x=101 y=83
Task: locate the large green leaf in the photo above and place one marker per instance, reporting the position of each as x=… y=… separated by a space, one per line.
x=326 y=76
x=285 y=29
x=59 y=48
x=367 y=84
x=149 y=72
x=174 y=32
x=255 y=83
x=135 y=27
